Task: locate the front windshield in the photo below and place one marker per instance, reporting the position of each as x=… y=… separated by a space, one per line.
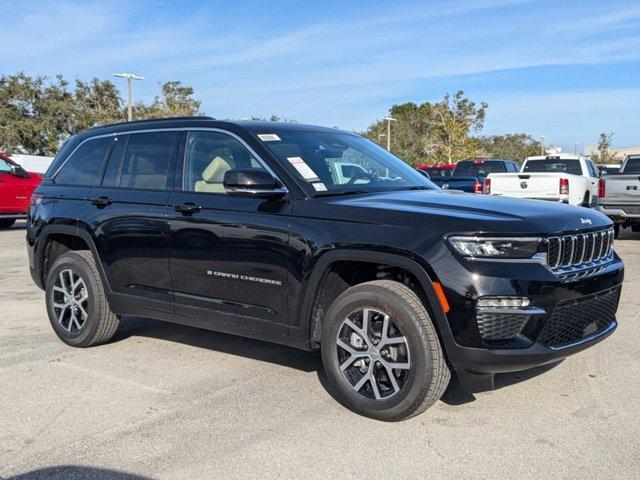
x=335 y=163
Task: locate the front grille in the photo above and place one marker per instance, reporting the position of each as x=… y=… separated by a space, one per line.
x=500 y=326
x=572 y=322
x=569 y=252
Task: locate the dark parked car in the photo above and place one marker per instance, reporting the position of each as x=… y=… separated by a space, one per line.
x=469 y=175
x=244 y=227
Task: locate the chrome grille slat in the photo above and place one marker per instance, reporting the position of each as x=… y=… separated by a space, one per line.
x=569 y=253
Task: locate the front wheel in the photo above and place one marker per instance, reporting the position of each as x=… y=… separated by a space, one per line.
x=76 y=301
x=381 y=352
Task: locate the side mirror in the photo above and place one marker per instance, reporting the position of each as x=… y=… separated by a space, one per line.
x=252 y=182
x=18 y=171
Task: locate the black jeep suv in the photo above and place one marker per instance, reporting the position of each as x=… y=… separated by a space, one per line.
x=318 y=239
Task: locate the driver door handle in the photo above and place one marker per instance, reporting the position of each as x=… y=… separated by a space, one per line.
x=187 y=208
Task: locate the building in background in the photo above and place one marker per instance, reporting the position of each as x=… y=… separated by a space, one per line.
x=619 y=153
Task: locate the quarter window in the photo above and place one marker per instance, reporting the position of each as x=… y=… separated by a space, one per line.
x=208 y=156
x=146 y=161
x=85 y=163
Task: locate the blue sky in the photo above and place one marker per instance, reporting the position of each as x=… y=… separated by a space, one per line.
x=563 y=69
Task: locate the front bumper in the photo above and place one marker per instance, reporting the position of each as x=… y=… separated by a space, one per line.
x=555 y=301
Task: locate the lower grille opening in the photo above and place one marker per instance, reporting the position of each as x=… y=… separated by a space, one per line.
x=575 y=321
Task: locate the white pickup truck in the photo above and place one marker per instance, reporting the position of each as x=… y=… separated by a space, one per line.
x=620 y=195
x=563 y=178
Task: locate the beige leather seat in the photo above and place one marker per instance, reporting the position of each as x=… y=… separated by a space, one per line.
x=213 y=176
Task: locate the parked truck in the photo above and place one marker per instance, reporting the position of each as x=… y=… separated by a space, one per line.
x=571 y=179
x=620 y=195
x=469 y=175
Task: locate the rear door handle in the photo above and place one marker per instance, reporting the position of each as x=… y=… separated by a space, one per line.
x=187 y=208
x=101 y=201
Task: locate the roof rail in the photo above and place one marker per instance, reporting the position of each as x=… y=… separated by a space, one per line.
x=149 y=120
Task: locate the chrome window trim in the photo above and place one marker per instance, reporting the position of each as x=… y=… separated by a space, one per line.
x=244 y=144
x=173 y=129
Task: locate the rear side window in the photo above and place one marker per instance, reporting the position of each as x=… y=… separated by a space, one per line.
x=110 y=178
x=146 y=161
x=85 y=163
x=4 y=166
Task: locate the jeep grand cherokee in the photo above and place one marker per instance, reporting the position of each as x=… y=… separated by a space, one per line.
x=244 y=227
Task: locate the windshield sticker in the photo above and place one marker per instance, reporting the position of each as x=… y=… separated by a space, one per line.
x=319 y=186
x=303 y=169
x=268 y=137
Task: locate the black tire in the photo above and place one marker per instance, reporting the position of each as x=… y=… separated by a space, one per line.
x=586 y=201
x=7 y=223
x=100 y=323
x=428 y=376
x=616 y=230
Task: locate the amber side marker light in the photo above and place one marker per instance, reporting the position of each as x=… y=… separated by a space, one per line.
x=444 y=303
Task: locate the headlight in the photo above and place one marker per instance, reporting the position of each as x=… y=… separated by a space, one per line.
x=488 y=247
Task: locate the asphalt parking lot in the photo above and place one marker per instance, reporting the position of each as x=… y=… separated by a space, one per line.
x=166 y=401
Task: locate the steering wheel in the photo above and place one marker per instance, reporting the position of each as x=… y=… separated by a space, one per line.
x=353 y=179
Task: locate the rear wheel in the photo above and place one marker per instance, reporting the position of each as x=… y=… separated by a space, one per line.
x=381 y=352
x=76 y=302
x=7 y=223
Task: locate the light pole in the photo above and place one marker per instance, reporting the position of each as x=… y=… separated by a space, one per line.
x=575 y=148
x=389 y=120
x=542 y=144
x=129 y=77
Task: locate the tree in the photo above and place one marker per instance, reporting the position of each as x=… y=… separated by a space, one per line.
x=602 y=153
x=516 y=146
x=175 y=100
x=97 y=102
x=38 y=113
x=273 y=118
x=433 y=132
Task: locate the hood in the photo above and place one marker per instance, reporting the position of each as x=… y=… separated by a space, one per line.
x=449 y=211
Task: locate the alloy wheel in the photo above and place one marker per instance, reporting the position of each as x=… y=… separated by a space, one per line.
x=373 y=354
x=70 y=300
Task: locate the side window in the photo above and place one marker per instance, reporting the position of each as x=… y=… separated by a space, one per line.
x=208 y=156
x=110 y=178
x=594 y=169
x=85 y=163
x=146 y=161
x=4 y=166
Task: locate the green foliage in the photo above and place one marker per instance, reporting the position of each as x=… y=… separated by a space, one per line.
x=37 y=113
x=273 y=118
x=603 y=153
x=516 y=146
x=432 y=132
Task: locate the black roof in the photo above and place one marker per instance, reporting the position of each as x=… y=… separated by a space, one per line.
x=177 y=122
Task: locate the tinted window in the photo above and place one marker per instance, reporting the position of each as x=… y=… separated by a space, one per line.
x=632 y=165
x=110 y=178
x=85 y=164
x=478 y=168
x=553 y=165
x=439 y=172
x=208 y=156
x=146 y=161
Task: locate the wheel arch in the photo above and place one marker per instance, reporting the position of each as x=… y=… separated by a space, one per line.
x=53 y=234
x=311 y=320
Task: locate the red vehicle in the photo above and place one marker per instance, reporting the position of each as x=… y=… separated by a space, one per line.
x=440 y=170
x=16 y=187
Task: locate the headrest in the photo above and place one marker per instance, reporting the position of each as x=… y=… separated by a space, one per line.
x=214 y=173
